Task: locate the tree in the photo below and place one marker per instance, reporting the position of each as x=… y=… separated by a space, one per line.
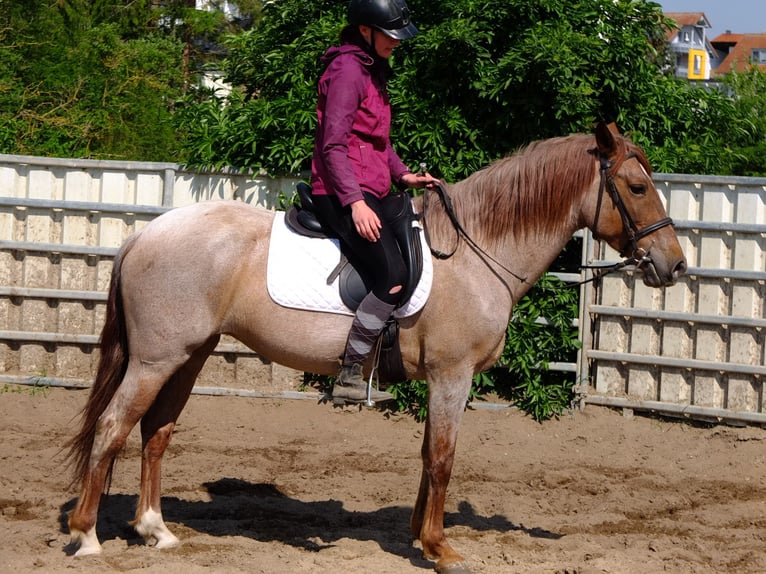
x=749 y=89
x=483 y=78
x=82 y=82
x=268 y=121
x=99 y=78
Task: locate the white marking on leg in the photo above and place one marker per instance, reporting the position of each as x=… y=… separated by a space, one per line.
x=151 y=526
x=88 y=542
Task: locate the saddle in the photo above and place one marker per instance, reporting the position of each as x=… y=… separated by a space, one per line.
x=353 y=281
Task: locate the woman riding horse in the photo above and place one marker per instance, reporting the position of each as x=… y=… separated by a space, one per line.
x=352 y=170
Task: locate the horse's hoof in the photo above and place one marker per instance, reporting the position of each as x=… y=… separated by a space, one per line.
x=84 y=543
x=167 y=542
x=454 y=568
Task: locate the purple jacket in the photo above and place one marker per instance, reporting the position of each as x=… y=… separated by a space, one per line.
x=352 y=150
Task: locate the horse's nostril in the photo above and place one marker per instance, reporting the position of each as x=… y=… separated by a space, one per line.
x=680 y=268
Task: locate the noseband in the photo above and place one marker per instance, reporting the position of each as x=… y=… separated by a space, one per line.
x=638 y=255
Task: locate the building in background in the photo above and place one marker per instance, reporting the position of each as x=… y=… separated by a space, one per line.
x=699 y=58
x=739 y=51
x=695 y=56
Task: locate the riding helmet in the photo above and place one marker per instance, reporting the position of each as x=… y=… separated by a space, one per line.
x=392 y=17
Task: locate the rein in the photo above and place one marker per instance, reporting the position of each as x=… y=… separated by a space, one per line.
x=459 y=230
x=638 y=257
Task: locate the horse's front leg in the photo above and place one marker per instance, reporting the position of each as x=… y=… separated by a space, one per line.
x=446 y=404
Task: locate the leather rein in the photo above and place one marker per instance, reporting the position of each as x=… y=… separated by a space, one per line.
x=441 y=191
x=638 y=256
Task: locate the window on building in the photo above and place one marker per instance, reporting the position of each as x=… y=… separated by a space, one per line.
x=758 y=55
x=697 y=64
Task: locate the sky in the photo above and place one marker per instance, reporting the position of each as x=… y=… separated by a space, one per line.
x=739 y=16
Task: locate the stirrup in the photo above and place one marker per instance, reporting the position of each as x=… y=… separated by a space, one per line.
x=351 y=388
x=375 y=398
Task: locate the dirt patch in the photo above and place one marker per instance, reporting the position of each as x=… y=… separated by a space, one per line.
x=256 y=485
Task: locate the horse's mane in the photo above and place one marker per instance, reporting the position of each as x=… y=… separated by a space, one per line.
x=531 y=191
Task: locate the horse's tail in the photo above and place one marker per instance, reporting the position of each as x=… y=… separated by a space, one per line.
x=112 y=364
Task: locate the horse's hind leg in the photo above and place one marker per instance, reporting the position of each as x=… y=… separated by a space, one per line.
x=156 y=431
x=136 y=393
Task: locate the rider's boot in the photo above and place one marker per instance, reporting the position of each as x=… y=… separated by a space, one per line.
x=350 y=387
x=368 y=323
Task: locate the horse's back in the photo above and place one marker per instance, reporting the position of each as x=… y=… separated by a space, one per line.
x=202 y=232
x=212 y=217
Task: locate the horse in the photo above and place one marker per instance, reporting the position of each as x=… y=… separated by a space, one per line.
x=199 y=271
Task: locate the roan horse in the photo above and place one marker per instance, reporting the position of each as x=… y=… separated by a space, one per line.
x=200 y=271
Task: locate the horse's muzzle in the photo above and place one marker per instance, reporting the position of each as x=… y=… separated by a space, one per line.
x=655 y=275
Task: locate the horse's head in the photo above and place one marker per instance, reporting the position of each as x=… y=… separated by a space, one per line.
x=628 y=212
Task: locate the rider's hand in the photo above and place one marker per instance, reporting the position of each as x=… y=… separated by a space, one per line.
x=366 y=221
x=419 y=180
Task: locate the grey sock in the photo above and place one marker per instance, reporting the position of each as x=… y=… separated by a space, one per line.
x=370 y=318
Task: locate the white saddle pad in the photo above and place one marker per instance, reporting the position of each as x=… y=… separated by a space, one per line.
x=298 y=268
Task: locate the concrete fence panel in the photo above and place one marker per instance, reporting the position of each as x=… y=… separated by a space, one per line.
x=61 y=223
x=695 y=349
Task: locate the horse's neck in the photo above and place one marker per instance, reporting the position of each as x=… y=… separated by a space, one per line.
x=518 y=250
x=517 y=263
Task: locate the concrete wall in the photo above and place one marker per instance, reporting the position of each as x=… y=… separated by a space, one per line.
x=61 y=222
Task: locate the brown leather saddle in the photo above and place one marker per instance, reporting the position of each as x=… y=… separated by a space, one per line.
x=353 y=282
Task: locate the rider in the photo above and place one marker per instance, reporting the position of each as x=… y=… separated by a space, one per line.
x=354 y=166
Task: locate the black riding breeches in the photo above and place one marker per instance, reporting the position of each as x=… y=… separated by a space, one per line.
x=381 y=259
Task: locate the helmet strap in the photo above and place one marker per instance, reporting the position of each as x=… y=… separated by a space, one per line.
x=372 y=41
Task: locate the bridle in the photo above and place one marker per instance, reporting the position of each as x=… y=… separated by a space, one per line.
x=638 y=256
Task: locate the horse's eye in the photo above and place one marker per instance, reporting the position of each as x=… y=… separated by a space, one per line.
x=638 y=189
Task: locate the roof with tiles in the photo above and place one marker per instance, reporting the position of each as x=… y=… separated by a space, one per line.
x=738 y=49
x=686 y=19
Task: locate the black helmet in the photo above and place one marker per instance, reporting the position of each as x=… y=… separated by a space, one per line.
x=392 y=17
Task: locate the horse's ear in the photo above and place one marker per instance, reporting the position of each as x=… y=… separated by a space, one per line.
x=605 y=137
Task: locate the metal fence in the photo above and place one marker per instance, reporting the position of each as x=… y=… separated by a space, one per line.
x=696 y=349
